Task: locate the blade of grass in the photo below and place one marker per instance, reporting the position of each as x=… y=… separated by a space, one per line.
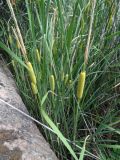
x=55 y=129
x=12 y=54
x=83 y=149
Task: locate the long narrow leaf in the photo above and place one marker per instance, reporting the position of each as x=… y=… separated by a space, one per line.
x=7 y=50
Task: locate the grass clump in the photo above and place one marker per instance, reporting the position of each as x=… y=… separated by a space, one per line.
x=53 y=44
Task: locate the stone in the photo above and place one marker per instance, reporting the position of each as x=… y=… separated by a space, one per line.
x=20 y=138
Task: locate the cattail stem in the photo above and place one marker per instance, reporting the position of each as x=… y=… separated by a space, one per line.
x=17 y=29
x=76 y=116
x=19 y=44
x=86 y=54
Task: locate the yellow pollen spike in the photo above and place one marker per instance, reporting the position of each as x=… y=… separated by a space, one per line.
x=81 y=84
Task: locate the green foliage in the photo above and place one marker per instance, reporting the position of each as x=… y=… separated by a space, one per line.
x=59 y=30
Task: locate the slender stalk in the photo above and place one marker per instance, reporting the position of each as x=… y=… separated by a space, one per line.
x=86 y=54
x=76 y=118
x=18 y=30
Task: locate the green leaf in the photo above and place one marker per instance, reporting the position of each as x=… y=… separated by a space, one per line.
x=12 y=54
x=56 y=130
x=44 y=98
x=83 y=149
x=110 y=146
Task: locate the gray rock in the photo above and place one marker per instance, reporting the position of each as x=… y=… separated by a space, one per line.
x=20 y=139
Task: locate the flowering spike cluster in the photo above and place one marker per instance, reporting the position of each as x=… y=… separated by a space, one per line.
x=52 y=82
x=34 y=88
x=31 y=73
x=32 y=78
x=81 y=84
x=38 y=55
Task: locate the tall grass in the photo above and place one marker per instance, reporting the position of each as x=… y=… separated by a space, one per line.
x=54 y=36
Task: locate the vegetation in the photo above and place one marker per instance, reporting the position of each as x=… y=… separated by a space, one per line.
x=65 y=57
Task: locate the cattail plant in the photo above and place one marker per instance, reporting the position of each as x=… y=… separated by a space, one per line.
x=17 y=31
x=81 y=83
x=31 y=72
x=86 y=54
x=38 y=55
x=34 y=88
x=82 y=76
x=32 y=78
x=52 y=82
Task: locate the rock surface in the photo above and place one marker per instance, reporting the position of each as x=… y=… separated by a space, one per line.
x=19 y=137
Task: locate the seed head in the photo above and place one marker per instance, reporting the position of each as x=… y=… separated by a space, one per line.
x=34 y=88
x=52 y=82
x=31 y=73
x=38 y=55
x=81 y=83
